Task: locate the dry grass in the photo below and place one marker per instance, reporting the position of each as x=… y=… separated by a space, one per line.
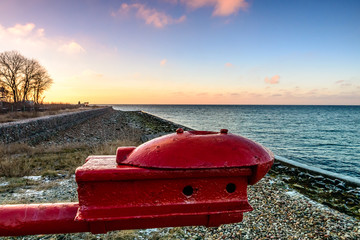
x=110 y=148
x=45 y=186
x=14 y=167
x=19 y=159
x=51 y=109
x=15 y=182
x=16 y=116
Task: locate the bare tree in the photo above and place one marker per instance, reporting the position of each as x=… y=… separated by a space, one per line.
x=11 y=64
x=42 y=82
x=23 y=78
x=31 y=71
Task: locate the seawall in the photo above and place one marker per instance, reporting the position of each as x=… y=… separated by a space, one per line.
x=37 y=129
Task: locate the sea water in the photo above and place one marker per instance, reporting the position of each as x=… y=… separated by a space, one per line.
x=327 y=137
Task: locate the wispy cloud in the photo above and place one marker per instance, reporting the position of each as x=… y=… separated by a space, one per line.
x=163 y=62
x=221 y=7
x=228 y=64
x=151 y=15
x=273 y=80
x=339 y=81
x=343 y=83
x=170 y=1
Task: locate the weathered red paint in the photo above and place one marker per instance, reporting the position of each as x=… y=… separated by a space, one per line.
x=26 y=219
x=199 y=150
x=182 y=179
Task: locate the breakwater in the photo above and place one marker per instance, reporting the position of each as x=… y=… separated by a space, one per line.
x=35 y=130
x=331 y=189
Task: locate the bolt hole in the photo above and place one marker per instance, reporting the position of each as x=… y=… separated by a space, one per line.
x=230 y=188
x=188 y=191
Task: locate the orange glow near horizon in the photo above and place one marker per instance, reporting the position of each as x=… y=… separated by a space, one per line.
x=167 y=95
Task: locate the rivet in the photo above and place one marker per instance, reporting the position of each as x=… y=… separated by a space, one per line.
x=179 y=130
x=224 y=131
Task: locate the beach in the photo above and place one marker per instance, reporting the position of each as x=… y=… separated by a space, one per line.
x=280 y=210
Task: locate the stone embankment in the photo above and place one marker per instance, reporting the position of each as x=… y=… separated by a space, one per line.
x=38 y=129
x=340 y=193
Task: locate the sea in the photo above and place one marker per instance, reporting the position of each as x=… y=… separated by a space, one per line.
x=326 y=137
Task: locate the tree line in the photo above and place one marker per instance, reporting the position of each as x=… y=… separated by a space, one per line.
x=22 y=79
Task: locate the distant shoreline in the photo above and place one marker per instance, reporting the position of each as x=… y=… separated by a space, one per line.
x=285 y=105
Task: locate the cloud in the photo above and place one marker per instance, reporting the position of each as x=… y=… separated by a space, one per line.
x=21 y=30
x=273 y=80
x=221 y=7
x=163 y=62
x=28 y=36
x=150 y=15
x=346 y=84
x=71 y=48
x=343 y=83
x=228 y=64
x=314 y=91
x=171 y=1
x=339 y=81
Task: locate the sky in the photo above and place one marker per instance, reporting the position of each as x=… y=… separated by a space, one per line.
x=190 y=52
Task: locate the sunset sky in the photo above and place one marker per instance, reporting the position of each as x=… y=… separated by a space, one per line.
x=190 y=52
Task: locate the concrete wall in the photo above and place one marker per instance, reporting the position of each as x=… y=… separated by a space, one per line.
x=37 y=129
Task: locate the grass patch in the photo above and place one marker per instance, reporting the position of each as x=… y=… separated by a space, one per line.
x=16 y=182
x=110 y=148
x=10 y=167
x=17 y=160
x=52 y=174
x=46 y=186
x=52 y=110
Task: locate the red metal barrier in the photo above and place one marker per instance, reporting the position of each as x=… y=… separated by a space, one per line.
x=25 y=219
x=182 y=179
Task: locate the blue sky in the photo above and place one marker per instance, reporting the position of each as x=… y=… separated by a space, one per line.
x=191 y=52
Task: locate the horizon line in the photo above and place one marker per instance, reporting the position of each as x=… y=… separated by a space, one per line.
x=212 y=104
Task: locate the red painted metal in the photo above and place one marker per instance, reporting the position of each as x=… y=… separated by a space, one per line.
x=108 y=191
x=200 y=150
x=25 y=219
x=182 y=179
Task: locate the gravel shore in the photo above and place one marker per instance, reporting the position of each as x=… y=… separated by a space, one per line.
x=280 y=212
